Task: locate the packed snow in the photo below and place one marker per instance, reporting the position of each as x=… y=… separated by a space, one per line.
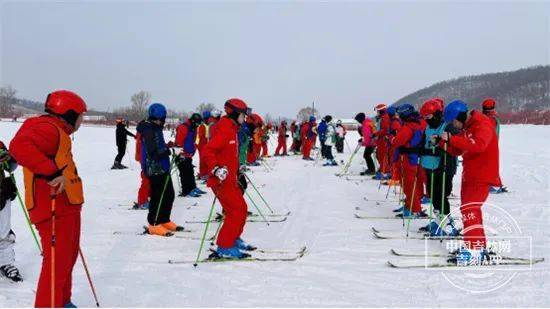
x=344 y=265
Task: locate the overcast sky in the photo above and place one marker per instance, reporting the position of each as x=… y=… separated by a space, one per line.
x=277 y=56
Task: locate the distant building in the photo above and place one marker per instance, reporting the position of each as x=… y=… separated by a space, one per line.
x=94 y=118
x=349 y=124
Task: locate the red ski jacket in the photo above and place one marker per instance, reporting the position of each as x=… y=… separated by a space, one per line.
x=478 y=146
x=34 y=147
x=223 y=150
x=383 y=130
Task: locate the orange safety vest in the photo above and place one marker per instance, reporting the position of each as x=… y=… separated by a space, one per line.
x=63 y=161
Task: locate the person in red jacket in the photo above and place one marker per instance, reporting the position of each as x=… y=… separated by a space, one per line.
x=144 y=191
x=222 y=159
x=53 y=191
x=382 y=142
x=395 y=165
x=309 y=136
x=281 y=139
x=489 y=109
x=408 y=138
x=477 y=143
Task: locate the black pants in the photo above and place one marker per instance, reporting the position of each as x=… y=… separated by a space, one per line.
x=187 y=175
x=368 y=158
x=158 y=184
x=438 y=188
x=121 y=153
x=327 y=151
x=339 y=145
x=323 y=149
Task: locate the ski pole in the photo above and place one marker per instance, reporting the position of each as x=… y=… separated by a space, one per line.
x=441 y=215
x=381 y=173
x=168 y=176
x=257 y=208
x=259 y=194
x=88 y=275
x=25 y=212
x=401 y=188
x=52 y=250
x=205 y=229
x=346 y=141
x=432 y=187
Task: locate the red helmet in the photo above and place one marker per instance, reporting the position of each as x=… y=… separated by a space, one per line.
x=430 y=107
x=441 y=102
x=489 y=104
x=235 y=105
x=380 y=107
x=61 y=102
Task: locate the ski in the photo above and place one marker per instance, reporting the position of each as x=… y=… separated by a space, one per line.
x=450 y=255
x=380 y=235
x=295 y=257
x=270 y=215
x=359 y=216
x=180 y=234
x=445 y=264
x=248 y=220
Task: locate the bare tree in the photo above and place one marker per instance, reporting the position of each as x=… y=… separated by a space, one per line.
x=205 y=107
x=140 y=101
x=305 y=113
x=7 y=99
x=268 y=118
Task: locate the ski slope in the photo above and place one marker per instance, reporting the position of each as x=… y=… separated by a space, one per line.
x=344 y=266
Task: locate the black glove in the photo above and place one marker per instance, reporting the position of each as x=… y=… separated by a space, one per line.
x=360 y=141
x=403 y=149
x=242 y=182
x=8 y=193
x=286 y=135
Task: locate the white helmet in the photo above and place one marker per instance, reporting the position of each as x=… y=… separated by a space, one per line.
x=216 y=113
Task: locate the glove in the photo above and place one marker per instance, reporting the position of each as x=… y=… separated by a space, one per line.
x=220 y=172
x=171 y=144
x=359 y=141
x=242 y=169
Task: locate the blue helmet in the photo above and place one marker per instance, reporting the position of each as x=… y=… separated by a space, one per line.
x=391 y=111
x=453 y=109
x=405 y=110
x=312 y=119
x=206 y=115
x=157 y=111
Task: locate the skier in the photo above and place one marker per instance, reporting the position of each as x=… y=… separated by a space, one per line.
x=308 y=132
x=330 y=139
x=366 y=130
x=186 y=135
x=53 y=191
x=477 y=143
x=202 y=138
x=296 y=137
x=157 y=167
x=8 y=192
x=340 y=136
x=440 y=169
x=144 y=188
x=264 y=135
x=382 y=143
x=281 y=139
x=121 y=141
x=395 y=165
x=244 y=141
x=410 y=136
x=322 y=131
x=488 y=106
x=222 y=160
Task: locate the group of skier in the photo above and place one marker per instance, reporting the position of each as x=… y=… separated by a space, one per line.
x=418 y=150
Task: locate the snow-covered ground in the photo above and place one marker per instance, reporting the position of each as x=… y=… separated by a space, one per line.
x=344 y=265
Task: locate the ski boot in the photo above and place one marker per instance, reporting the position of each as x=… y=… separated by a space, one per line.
x=70 y=305
x=425 y=200
x=242 y=245
x=172 y=227
x=431 y=227
x=469 y=257
x=498 y=190
x=198 y=191
x=228 y=253
x=158 y=230
x=333 y=163
x=411 y=215
x=192 y=194
x=308 y=159
x=11 y=272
